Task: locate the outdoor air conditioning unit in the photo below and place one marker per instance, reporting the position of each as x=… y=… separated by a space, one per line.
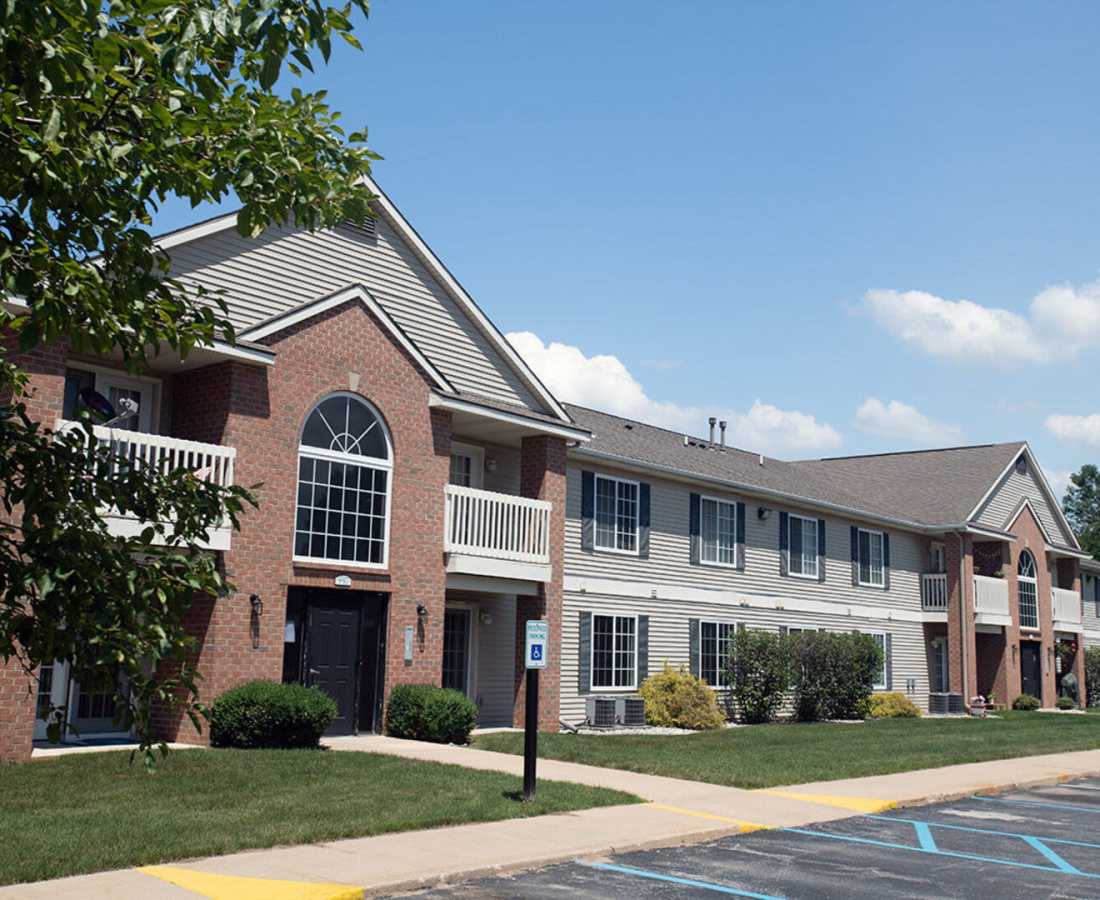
x=942 y=704
x=609 y=712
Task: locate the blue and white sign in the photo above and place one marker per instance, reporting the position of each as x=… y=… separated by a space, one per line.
x=538 y=640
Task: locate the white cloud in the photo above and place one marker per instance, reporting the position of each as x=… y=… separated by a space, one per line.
x=1061 y=321
x=1059 y=482
x=899 y=420
x=1075 y=429
x=603 y=382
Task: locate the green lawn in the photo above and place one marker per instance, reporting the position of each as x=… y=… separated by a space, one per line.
x=90 y=812
x=768 y=755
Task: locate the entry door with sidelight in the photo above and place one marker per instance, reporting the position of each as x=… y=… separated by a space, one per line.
x=1031 y=669
x=456 y=650
x=332 y=658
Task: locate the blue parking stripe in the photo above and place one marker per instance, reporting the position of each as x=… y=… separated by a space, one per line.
x=1050 y=854
x=673 y=879
x=1076 y=807
x=968 y=856
x=924 y=835
x=1015 y=834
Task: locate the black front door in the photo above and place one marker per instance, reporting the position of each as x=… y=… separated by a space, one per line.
x=1031 y=669
x=332 y=657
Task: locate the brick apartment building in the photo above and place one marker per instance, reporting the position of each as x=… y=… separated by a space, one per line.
x=423 y=495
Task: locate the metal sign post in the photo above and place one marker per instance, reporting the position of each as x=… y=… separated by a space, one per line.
x=534 y=658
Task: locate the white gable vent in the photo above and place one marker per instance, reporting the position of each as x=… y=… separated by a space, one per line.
x=369 y=228
x=1021 y=465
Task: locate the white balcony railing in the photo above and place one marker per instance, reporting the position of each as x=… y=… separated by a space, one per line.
x=991 y=600
x=1067 y=609
x=497 y=526
x=933 y=592
x=210 y=462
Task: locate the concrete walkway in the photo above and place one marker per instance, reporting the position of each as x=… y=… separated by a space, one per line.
x=676 y=812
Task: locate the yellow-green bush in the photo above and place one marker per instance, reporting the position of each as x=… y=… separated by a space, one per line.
x=677 y=699
x=891 y=706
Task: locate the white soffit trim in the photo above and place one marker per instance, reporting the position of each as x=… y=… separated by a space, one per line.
x=1044 y=486
x=353 y=292
x=248 y=354
x=1066 y=551
x=642 y=590
x=990 y=533
x=454 y=404
x=194 y=232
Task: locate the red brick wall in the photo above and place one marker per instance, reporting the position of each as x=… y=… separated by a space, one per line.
x=542 y=476
x=260 y=411
x=44 y=400
x=1030 y=536
x=960 y=617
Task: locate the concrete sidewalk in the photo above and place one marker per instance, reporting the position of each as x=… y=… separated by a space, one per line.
x=676 y=812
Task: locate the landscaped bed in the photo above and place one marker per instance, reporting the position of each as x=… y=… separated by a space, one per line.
x=760 y=756
x=90 y=812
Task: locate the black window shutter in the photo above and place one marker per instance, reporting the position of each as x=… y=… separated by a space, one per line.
x=694 y=648
x=784 y=548
x=695 y=504
x=584 y=651
x=588 y=511
x=739 y=547
x=643 y=649
x=643 y=520
x=855 y=556
x=821 y=550
x=885 y=561
x=889 y=661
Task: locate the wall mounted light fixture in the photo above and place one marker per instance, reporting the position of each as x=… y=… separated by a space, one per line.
x=762 y=513
x=257 y=604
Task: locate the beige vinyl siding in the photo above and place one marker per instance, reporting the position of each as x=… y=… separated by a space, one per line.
x=1092 y=613
x=285 y=268
x=669 y=554
x=668 y=637
x=1006 y=498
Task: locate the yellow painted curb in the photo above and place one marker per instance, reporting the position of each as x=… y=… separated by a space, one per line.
x=856 y=804
x=235 y=887
x=744 y=826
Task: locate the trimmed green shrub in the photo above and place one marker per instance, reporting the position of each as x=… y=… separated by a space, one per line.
x=424 y=712
x=272 y=715
x=833 y=674
x=1065 y=703
x=891 y=706
x=1026 y=702
x=677 y=699
x=1092 y=675
x=758 y=673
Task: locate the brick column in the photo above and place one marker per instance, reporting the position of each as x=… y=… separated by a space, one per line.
x=542 y=476
x=960 y=616
x=18 y=693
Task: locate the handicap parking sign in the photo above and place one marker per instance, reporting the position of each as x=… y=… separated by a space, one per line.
x=538 y=637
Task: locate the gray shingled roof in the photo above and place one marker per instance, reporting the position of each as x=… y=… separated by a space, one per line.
x=932 y=487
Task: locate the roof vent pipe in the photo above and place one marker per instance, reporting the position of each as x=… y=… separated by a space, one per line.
x=712 y=421
x=722 y=429
x=761 y=459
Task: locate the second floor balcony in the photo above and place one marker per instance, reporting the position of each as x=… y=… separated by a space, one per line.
x=933 y=592
x=1066 y=607
x=211 y=462
x=991 y=601
x=498 y=535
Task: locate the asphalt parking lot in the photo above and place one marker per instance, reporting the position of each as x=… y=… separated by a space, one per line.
x=1043 y=842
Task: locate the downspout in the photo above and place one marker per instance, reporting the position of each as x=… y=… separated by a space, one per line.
x=962 y=617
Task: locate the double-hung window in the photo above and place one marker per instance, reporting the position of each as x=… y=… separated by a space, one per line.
x=616 y=515
x=802 y=541
x=714 y=649
x=614 y=651
x=718 y=529
x=871 y=570
x=879 y=638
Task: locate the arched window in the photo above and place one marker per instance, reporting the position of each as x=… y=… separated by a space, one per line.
x=344 y=466
x=1029 y=591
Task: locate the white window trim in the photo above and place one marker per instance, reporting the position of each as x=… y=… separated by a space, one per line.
x=737 y=538
x=876 y=686
x=477 y=461
x=790 y=551
x=1033 y=580
x=633 y=686
x=717 y=623
x=859 y=560
x=597 y=476
x=354 y=459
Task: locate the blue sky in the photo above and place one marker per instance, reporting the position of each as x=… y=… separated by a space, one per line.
x=769 y=211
